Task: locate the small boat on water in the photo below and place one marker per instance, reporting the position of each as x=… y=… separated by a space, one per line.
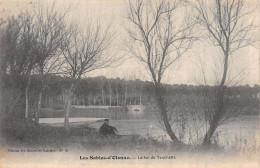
x=135 y=108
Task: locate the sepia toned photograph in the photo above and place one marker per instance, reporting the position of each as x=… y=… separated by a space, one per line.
x=129 y=83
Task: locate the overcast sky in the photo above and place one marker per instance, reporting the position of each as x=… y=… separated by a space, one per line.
x=185 y=71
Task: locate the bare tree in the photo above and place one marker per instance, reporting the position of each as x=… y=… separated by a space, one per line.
x=50 y=31
x=229 y=26
x=158 y=39
x=18 y=52
x=28 y=40
x=85 y=51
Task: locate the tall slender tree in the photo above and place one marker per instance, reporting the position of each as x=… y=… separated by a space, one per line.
x=85 y=51
x=50 y=32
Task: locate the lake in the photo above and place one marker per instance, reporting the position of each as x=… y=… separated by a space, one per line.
x=242 y=131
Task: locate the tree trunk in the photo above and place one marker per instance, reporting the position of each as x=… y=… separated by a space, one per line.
x=140 y=99
x=220 y=103
x=116 y=95
x=162 y=108
x=37 y=112
x=15 y=102
x=27 y=99
x=68 y=106
x=110 y=96
x=103 y=96
x=125 y=93
x=117 y=100
x=89 y=102
x=216 y=118
x=209 y=134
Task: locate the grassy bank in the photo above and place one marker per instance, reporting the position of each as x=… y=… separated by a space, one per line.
x=85 y=138
x=27 y=134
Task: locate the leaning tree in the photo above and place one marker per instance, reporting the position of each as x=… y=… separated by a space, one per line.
x=229 y=26
x=158 y=37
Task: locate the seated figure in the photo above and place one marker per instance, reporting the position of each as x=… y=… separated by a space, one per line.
x=106 y=129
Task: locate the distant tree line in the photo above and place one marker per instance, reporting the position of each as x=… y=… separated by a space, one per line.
x=102 y=91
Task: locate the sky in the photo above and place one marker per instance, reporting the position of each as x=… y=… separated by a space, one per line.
x=185 y=71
